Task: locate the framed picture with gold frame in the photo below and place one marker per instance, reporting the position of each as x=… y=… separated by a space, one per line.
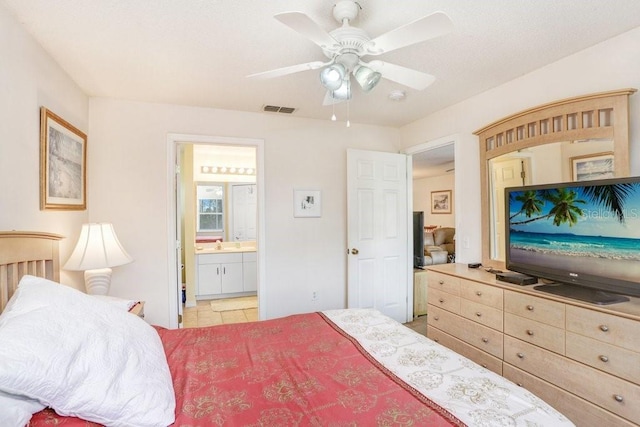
x=63 y=164
x=441 y=202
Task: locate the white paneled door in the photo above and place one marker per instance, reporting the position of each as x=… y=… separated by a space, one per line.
x=244 y=216
x=378 y=251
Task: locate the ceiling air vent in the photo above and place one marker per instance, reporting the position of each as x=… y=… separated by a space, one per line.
x=276 y=109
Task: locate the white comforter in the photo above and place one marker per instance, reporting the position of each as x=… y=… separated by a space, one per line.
x=475 y=395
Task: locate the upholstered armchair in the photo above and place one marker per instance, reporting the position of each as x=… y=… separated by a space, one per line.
x=444 y=238
x=439 y=246
x=433 y=254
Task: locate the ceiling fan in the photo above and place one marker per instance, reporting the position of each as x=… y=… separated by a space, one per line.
x=346 y=45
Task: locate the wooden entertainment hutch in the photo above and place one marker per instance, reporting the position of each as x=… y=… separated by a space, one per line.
x=582 y=358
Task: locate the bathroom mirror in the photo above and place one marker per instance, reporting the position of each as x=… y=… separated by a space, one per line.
x=548 y=143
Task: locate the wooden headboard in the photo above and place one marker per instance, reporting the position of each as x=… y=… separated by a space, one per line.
x=26 y=252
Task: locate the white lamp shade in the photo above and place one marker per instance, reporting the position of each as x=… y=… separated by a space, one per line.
x=97 y=247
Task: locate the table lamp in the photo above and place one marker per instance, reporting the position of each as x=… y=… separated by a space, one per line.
x=96 y=251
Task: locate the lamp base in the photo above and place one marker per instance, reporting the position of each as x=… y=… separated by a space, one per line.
x=97 y=281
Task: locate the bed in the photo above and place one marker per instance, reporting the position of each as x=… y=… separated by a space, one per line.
x=333 y=368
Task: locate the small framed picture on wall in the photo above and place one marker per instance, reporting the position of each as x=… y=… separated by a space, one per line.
x=307 y=204
x=441 y=202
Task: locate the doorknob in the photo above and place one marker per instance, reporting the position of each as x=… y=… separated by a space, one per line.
x=354 y=251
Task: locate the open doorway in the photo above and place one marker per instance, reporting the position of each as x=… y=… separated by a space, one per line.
x=218 y=234
x=433 y=201
x=217 y=204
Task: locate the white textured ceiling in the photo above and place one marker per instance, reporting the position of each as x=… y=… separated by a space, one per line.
x=198 y=52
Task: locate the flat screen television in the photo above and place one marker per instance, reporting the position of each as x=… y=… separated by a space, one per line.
x=582 y=236
x=418 y=240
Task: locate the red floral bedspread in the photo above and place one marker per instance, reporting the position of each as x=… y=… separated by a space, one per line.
x=296 y=370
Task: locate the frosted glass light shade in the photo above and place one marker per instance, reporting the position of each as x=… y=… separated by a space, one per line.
x=367 y=78
x=343 y=92
x=98 y=248
x=332 y=76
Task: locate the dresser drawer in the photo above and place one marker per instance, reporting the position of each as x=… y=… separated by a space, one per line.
x=531 y=307
x=606 y=357
x=480 y=357
x=578 y=410
x=479 y=336
x=484 y=294
x=488 y=316
x=443 y=282
x=534 y=332
x=444 y=300
x=604 y=327
x=612 y=393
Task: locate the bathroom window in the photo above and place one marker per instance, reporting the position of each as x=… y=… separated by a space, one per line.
x=210 y=207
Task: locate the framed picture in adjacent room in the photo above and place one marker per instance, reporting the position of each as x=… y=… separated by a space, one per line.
x=63 y=164
x=441 y=202
x=307 y=204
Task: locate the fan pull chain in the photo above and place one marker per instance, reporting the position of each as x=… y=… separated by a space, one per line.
x=333 y=107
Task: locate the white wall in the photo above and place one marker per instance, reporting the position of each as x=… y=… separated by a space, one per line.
x=611 y=65
x=29 y=79
x=128 y=176
x=422 y=189
x=127 y=165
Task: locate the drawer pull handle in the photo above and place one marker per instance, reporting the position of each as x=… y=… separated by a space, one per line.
x=441 y=282
x=479 y=293
x=618 y=398
x=436 y=318
x=604 y=328
x=436 y=339
x=520 y=355
x=479 y=314
x=519 y=384
x=485 y=340
x=529 y=332
x=441 y=300
x=530 y=307
x=605 y=359
x=484 y=365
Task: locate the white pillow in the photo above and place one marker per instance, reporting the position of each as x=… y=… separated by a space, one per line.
x=83 y=357
x=16 y=411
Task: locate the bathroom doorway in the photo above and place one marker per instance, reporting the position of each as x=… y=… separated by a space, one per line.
x=218 y=201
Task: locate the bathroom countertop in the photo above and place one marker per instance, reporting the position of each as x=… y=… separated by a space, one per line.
x=224 y=250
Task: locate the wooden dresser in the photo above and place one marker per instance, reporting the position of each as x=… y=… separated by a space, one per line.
x=583 y=359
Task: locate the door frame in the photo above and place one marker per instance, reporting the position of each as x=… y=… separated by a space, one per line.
x=173 y=140
x=427 y=146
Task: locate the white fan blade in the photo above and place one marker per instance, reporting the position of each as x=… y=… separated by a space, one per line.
x=425 y=28
x=304 y=25
x=405 y=76
x=288 y=70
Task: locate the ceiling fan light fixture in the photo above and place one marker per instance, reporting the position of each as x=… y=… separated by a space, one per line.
x=342 y=93
x=366 y=77
x=332 y=76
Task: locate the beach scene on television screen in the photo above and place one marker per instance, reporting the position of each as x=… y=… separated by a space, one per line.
x=591 y=229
